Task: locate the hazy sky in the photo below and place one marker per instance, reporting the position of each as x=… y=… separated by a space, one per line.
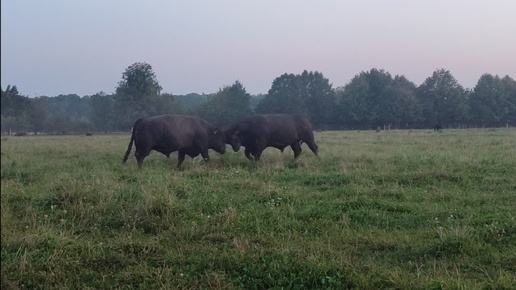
x=52 y=47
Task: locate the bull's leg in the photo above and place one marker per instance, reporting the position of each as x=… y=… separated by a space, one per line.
x=201 y=145
x=258 y=149
x=248 y=154
x=205 y=156
x=139 y=158
x=296 y=147
x=140 y=161
x=311 y=144
x=180 y=158
x=257 y=152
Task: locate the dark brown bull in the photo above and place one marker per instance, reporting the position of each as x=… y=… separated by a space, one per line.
x=258 y=132
x=169 y=133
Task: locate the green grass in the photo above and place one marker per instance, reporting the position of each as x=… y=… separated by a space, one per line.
x=395 y=209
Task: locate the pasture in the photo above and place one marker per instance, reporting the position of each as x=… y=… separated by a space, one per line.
x=394 y=209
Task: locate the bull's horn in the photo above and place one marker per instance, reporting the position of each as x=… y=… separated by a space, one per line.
x=216 y=130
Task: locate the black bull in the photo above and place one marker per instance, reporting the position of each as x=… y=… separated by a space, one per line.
x=258 y=132
x=168 y=133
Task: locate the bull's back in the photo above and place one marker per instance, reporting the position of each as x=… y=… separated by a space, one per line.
x=283 y=129
x=172 y=131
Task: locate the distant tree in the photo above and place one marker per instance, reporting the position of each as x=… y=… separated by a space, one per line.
x=102 y=112
x=284 y=96
x=10 y=91
x=360 y=100
x=402 y=106
x=12 y=103
x=353 y=104
x=309 y=94
x=190 y=102
x=9 y=99
x=227 y=106
x=493 y=101
x=138 y=82
x=255 y=100
x=60 y=124
x=319 y=98
x=136 y=95
x=488 y=101
x=509 y=85
x=9 y=124
x=70 y=105
x=38 y=115
x=69 y=108
x=167 y=104
x=14 y=110
x=443 y=100
x=374 y=99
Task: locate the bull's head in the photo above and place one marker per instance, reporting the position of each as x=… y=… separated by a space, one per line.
x=218 y=141
x=233 y=139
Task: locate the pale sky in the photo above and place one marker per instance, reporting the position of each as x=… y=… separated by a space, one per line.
x=52 y=47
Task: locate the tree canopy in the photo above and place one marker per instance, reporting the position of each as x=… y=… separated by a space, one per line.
x=443 y=99
x=309 y=94
x=228 y=105
x=370 y=100
x=493 y=101
x=137 y=95
x=374 y=99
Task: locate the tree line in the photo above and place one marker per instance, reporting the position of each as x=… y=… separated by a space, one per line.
x=370 y=100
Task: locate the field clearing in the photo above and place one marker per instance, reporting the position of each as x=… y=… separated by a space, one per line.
x=394 y=209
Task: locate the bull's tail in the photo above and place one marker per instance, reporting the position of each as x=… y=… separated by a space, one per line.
x=131 y=141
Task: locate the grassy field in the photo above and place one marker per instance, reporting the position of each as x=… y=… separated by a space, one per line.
x=394 y=209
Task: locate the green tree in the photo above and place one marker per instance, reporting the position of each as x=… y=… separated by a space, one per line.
x=284 y=96
x=8 y=100
x=319 y=98
x=353 y=105
x=136 y=95
x=60 y=124
x=227 y=106
x=255 y=100
x=167 y=104
x=190 y=102
x=375 y=99
x=12 y=103
x=14 y=110
x=38 y=115
x=309 y=94
x=9 y=124
x=402 y=107
x=138 y=82
x=509 y=85
x=493 y=101
x=360 y=101
x=443 y=100
x=489 y=103
x=70 y=105
x=70 y=108
x=102 y=112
